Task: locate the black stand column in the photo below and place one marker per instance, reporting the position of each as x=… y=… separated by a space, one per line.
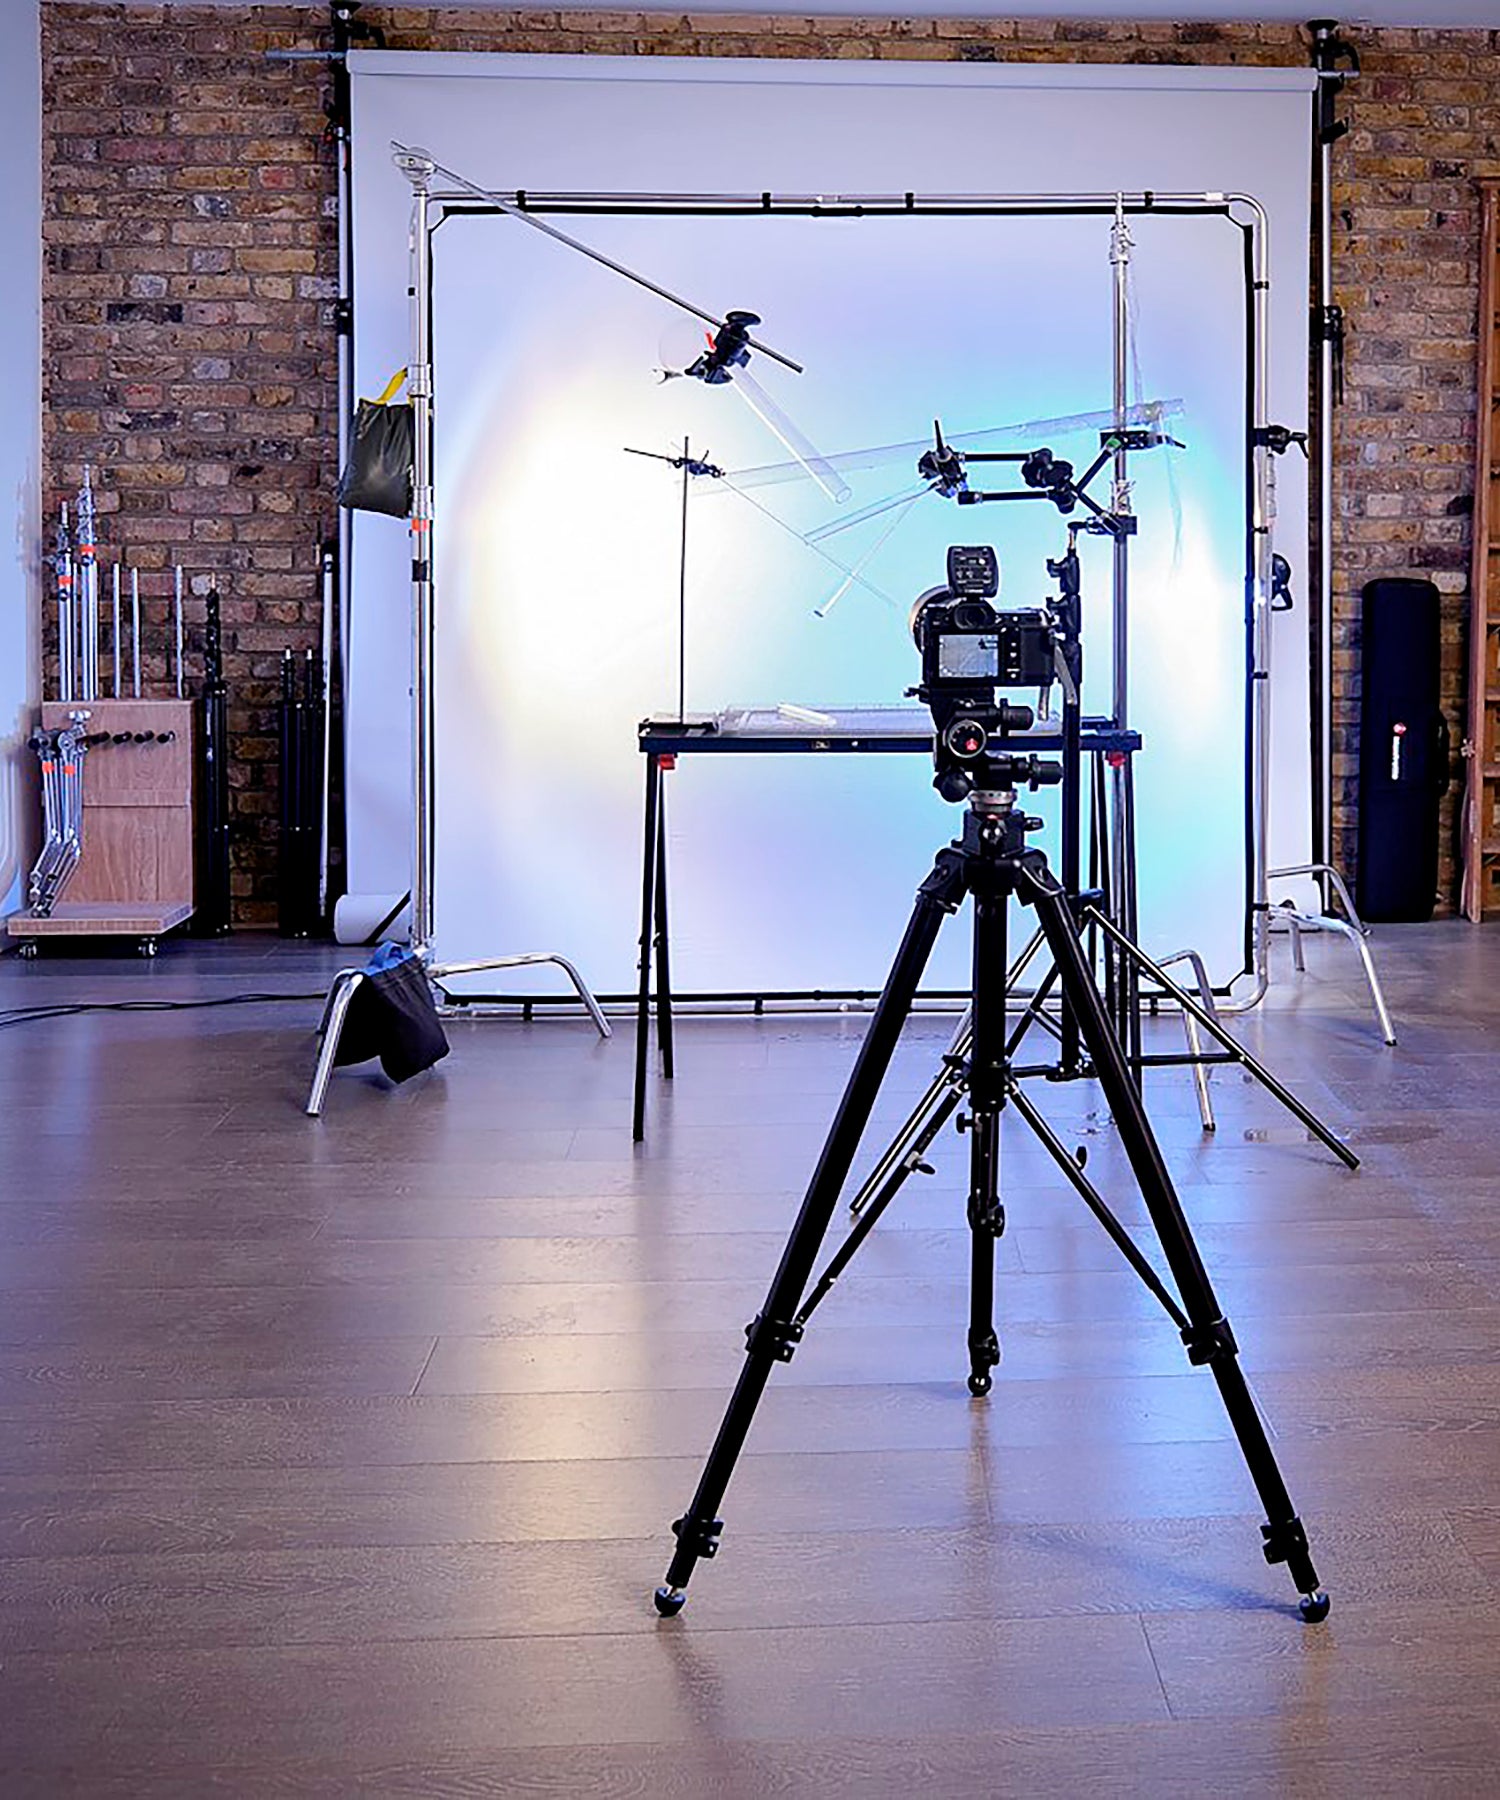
x=988 y=1083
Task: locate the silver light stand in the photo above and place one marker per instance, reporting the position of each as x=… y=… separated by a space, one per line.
x=1336 y=62
x=1122 y=863
x=418 y=168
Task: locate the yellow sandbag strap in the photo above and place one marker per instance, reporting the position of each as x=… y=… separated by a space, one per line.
x=389 y=391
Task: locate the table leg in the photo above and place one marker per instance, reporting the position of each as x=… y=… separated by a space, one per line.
x=649 y=866
x=663 y=961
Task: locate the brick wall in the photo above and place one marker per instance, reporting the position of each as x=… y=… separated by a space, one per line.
x=190 y=261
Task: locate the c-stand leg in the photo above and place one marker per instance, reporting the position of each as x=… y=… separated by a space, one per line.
x=1208 y=1336
x=774 y=1333
x=1132 y=954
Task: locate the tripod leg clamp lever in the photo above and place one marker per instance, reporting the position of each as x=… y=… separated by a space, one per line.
x=774 y=1335
x=700 y=1536
x=1206 y=1343
x=947 y=883
x=1287 y=1543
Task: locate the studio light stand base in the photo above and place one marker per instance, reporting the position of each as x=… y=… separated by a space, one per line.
x=346 y=983
x=1351 y=926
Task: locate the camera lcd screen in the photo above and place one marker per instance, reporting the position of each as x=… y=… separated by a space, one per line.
x=968 y=656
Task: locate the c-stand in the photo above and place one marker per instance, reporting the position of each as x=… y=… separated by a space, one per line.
x=991 y=862
x=1124 y=963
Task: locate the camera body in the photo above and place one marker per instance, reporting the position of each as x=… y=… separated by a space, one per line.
x=970 y=648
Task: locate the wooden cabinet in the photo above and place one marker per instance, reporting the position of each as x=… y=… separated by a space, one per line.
x=1481 y=824
x=135 y=876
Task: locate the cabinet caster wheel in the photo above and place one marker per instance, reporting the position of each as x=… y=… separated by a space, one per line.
x=669 y=1601
x=1314 y=1607
x=27 y=951
x=146 y=947
x=980 y=1384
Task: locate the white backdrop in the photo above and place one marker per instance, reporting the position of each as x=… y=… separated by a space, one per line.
x=557 y=553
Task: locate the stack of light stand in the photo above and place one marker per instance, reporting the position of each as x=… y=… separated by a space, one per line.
x=418 y=169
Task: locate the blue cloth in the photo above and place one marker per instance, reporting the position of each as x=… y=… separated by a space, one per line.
x=388 y=956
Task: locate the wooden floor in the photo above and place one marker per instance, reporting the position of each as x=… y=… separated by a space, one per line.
x=339 y=1457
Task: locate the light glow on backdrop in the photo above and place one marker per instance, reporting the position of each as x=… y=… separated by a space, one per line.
x=557 y=553
x=558 y=558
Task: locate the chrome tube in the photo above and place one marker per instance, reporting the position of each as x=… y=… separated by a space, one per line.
x=418 y=169
x=1258 y=579
x=1323 y=840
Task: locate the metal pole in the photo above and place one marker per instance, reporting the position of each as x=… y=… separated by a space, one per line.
x=419 y=169
x=1323 y=842
x=1120 y=245
x=135 y=633
x=330 y=606
x=1126 y=980
x=1336 y=62
x=682 y=591
x=62 y=564
x=343 y=563
x=408 y=154
x=177 y=622
x=1262 y=522
x=116 y=633
x=87 y=592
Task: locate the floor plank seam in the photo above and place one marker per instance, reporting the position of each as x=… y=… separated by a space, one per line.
x=426 y=1365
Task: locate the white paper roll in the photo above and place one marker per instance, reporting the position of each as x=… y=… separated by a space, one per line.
x=356 y=917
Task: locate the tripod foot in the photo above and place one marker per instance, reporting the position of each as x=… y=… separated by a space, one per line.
x=984 y=1354
x=1313 y=1607
x=669 y=1601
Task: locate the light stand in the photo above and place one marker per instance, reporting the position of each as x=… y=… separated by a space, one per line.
x=690 y=466
x=418 y=168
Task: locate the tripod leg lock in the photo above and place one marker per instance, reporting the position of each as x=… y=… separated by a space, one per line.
x=1206 y=1343
x=775 y=1337
x=698 y=1537
x=986 y=1215
x=1287 y=1543
x=948 y=882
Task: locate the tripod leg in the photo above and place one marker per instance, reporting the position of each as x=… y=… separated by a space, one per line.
x=774 y=1333
x=989 y=1062
x=1208 y=1337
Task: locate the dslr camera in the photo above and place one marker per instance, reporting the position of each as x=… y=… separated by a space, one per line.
x=970 y=649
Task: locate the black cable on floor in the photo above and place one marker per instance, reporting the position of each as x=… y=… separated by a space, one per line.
x=26 y=1015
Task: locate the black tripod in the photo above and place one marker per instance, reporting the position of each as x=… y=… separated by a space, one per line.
x=992 y=862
